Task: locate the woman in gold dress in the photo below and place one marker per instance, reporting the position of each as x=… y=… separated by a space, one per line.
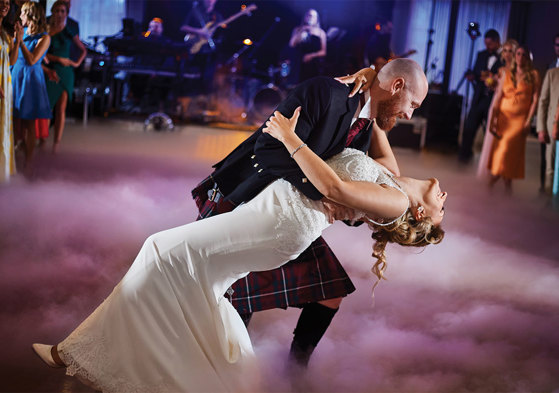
x=507 y=56
x=510 y=117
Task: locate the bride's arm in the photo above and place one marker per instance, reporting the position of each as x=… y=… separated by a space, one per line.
x=377 y=200
x=381 y=151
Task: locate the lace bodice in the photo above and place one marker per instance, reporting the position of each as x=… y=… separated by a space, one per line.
x=303 y=218
x=352 y=164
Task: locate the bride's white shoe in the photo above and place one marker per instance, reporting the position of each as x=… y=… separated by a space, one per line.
x=44 y=352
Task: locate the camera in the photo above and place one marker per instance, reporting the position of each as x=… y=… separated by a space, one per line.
x=473 y=30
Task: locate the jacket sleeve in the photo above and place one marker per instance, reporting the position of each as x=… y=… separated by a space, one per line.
x=543 y=105
x=314 y=98
x=478 y=67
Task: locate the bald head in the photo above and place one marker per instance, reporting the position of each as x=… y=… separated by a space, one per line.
x=409 y=71
x=399 y=89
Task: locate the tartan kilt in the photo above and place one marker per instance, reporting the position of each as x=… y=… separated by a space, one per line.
x=315 y=275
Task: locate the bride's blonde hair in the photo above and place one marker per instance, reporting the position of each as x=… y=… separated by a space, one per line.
x=406 y=231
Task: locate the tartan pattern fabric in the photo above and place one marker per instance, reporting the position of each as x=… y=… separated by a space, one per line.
x=358 y=125
x=209 y=199
x=315 y=275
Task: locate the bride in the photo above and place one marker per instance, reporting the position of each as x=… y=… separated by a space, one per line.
x=166 y=327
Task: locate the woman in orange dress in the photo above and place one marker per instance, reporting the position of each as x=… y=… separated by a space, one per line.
x=507 y=56
x=510 y=117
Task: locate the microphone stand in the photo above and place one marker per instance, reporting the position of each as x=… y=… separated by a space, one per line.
x=263 y=39
x=430 y=36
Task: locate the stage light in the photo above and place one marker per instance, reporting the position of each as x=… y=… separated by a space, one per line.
x=473 y=30
x=243 y=7
x=247 y=41
x=377 y=26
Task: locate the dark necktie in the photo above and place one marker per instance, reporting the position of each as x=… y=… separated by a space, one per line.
x=358 y=125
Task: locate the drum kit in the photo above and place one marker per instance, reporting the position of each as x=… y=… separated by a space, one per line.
x=249 y=97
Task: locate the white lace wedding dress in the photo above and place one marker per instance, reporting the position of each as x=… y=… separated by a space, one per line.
x=166 y=327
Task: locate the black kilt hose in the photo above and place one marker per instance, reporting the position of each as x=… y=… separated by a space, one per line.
x=315 y=275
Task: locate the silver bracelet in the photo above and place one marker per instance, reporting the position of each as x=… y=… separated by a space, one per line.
x=299 y=148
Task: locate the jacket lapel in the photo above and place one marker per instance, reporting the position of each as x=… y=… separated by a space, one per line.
x=347 y=106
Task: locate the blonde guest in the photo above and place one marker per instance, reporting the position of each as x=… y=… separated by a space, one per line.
x=507 y=55
x=510 y=118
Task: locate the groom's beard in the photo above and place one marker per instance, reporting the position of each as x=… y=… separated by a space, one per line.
x=386 y=113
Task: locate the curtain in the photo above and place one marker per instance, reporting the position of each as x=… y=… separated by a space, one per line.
x=489 y=15
x=418 y=35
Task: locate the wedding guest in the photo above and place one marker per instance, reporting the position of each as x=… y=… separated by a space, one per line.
x=510 y=118
x=30 y=94
x=9 y=48
x=507 y=56
x=486 y=66
x=547 y=120
x=60 y=93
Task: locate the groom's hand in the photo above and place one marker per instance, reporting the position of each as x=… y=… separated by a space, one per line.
x=335 y=211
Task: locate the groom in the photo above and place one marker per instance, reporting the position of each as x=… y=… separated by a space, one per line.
x=315 y=281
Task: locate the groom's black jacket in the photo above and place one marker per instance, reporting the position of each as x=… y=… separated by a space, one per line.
x=326 y=113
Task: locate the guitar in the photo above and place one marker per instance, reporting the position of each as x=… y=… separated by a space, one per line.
x=380 y=61
x=198 y=42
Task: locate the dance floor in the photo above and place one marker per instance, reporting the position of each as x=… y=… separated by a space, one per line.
x=477 y=313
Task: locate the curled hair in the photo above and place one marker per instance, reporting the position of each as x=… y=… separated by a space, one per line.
x=36 y=15
x=406 y=231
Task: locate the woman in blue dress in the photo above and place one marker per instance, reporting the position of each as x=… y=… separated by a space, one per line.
x=31 y=100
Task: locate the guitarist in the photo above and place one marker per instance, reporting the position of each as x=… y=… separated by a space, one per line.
x=378 y=51
x=197 y=23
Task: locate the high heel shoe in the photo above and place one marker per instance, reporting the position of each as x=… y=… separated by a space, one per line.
x=44 y=352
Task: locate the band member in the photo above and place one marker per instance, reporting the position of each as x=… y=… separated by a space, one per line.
x=196 y=26
x=378 y=50
x=147 y=92
x=155 y=29
x=308 y=46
